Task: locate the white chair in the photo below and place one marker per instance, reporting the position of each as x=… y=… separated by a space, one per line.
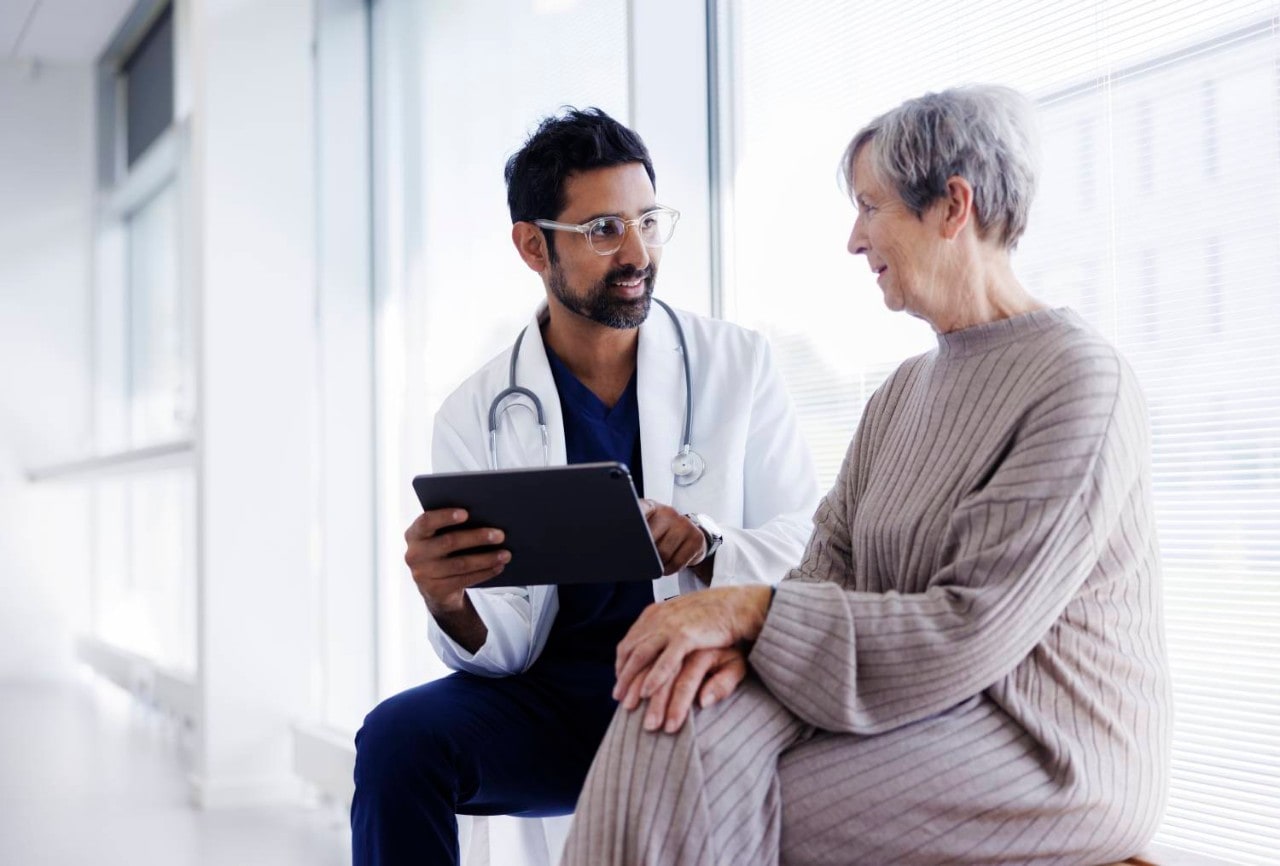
x=503 y=840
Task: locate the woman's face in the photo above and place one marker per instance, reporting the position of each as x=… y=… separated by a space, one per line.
x=902 y=249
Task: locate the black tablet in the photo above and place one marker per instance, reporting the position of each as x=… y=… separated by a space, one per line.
x=563 y=524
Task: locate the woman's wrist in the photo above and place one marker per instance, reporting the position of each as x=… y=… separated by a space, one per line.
x=754 y=608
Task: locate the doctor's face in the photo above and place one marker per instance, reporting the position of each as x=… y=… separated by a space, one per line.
x=614 y=290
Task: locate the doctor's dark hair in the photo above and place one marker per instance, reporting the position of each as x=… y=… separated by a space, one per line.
x=563 y=144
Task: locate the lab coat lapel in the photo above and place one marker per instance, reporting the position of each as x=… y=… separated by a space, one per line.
x=534 y=372
x=660 y=393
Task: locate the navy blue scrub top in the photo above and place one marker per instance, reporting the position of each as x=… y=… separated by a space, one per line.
x=593 y=618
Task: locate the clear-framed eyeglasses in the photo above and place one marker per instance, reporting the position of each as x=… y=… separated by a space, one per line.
x=605 y=234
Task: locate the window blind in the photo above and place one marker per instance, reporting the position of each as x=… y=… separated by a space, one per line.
x=1157 y=220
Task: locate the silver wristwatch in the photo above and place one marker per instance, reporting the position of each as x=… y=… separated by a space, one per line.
x=710 y=531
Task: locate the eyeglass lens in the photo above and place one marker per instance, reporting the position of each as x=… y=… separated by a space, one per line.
x=655 y=228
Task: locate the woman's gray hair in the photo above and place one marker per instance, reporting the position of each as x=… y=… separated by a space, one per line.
x=982 y=133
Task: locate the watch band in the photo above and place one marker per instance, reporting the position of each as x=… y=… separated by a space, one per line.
x=710 y=532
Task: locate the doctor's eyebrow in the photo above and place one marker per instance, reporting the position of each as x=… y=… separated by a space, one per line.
x=644 y=210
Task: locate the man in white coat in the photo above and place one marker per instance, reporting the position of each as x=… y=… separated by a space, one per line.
x=729 y=502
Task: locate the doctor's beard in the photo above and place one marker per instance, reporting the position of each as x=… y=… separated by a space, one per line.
x=600 y=304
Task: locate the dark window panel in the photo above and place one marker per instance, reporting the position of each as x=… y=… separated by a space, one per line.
x=148 y=78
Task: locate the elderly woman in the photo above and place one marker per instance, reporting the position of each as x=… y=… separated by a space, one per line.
x=968 y=666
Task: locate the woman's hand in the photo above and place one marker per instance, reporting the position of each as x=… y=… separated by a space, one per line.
x=708 y=675
x=653 y=654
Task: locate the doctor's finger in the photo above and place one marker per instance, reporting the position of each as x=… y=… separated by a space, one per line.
x=448 y=543
x=458 y=566
x=671 y=543
x=661 y=520
x=428 y=523
x=669 y=551
x=691 y=549
x=441 y=588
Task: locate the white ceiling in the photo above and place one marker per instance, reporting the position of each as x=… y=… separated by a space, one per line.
x=59 y=31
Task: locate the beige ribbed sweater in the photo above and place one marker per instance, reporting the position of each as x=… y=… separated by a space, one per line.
x=967 y=666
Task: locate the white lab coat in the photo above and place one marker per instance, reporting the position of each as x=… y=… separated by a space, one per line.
x=759 y=483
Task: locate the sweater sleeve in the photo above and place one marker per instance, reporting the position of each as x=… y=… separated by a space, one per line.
x=1024 y=542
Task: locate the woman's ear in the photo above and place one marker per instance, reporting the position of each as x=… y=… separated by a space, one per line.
x=957 y=207
x=531 y=244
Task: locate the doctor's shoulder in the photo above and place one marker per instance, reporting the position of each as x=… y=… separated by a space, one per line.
x=733 y=349
x=471 y=398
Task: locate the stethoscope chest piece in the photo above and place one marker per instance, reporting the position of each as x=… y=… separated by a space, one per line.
x=687 y=466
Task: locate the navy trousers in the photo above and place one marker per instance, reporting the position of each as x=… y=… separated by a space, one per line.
x=518 y=745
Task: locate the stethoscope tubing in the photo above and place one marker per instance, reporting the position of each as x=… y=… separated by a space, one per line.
x=686 y=457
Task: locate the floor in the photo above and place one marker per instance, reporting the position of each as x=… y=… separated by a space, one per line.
x=88 y=777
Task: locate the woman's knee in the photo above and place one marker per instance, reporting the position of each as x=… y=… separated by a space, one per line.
x=719 y=732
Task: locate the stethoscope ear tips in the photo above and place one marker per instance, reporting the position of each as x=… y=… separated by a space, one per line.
x=687 y=466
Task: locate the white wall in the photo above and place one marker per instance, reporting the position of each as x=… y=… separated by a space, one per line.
x=46 y=182
x=347 y=525
x=254 y=223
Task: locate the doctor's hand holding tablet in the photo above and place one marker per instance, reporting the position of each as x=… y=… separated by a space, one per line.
x=567 y=524
x=445 y=560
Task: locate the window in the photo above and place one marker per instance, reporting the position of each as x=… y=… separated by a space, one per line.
x=1087 y=167
x=1144 y=142
x=1214 y=294
x=147 y=77
x=1209 y=127
x=159 y=370
x=1146 y=307
x=144 y=510
x=456 y=91
x=144 y=598
x=144 y=519
x=1139 y=203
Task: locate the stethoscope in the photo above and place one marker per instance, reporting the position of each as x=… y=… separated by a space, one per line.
x=687 y=466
